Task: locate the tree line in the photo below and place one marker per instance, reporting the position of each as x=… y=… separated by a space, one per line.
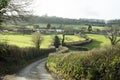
x=82 y=21
x=59 y=20
x=114 y=22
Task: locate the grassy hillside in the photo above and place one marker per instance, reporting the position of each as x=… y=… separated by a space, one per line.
x=98 y=41
x=26 y=41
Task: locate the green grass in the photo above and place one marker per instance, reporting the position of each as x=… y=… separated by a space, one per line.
x=26 y=41
x=98 y=41
x=98 y=27
x=71 y=38
x=18 y=40
x=47 y=40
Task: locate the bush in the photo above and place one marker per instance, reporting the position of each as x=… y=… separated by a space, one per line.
x=62 y=49
x=3 y=51
x=97 y=64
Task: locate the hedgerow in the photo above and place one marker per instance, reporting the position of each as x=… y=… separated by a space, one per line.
x=13 y=57
x=97 y=64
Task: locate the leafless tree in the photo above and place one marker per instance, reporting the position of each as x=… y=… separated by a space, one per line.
x=14 y=9
x=112 y=34
x=36 y=39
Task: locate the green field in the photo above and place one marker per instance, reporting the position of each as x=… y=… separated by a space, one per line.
x=98 y=41
x=70 y=26
x=71 y=38
x=26 y=40
x=62 y=26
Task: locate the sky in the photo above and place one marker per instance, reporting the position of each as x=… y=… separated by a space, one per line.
x=95 y=9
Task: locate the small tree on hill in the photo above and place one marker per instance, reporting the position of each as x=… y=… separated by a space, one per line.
x=48 y=26
x=36 y=39
x=56 y=41
x=63 y=39
x=89 y=28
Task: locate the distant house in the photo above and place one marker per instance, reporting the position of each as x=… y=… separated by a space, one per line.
x=15 y=30
x=1 y=31
x=45 y=30
x=5 y=30
x=72 y=31
x=25 y=31
x=59 y=30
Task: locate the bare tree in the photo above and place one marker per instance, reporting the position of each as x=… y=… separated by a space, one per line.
x=3 y=5
x=112 y=34
x=14 y=9
x=36 y=39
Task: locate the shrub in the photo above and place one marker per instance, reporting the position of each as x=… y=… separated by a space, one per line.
x=62 y=49
x=3 y=51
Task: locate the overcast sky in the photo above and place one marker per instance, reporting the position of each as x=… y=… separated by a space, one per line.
x=98 y=9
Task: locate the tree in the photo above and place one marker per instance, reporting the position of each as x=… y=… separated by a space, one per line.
x=112 y=34
x=89 y=28
x=3 y=5
x=48 y=26
x=36 y=39
x=63 y=39
x=13 y=10
x=56 y=41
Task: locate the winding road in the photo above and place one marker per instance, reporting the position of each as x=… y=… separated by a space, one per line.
x=34 y=71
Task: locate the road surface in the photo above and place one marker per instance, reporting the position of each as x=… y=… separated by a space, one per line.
x=34 y=71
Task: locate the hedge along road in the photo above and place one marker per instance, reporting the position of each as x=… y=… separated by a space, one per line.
x=34 y=71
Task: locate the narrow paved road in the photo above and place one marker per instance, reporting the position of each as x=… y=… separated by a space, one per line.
x=35 y=71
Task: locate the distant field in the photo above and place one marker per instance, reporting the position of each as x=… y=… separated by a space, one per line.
x=43 y=25
x=71 y=38
x=25 y=40
x=98 y=27
x=68 y=26
x=98 y=41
